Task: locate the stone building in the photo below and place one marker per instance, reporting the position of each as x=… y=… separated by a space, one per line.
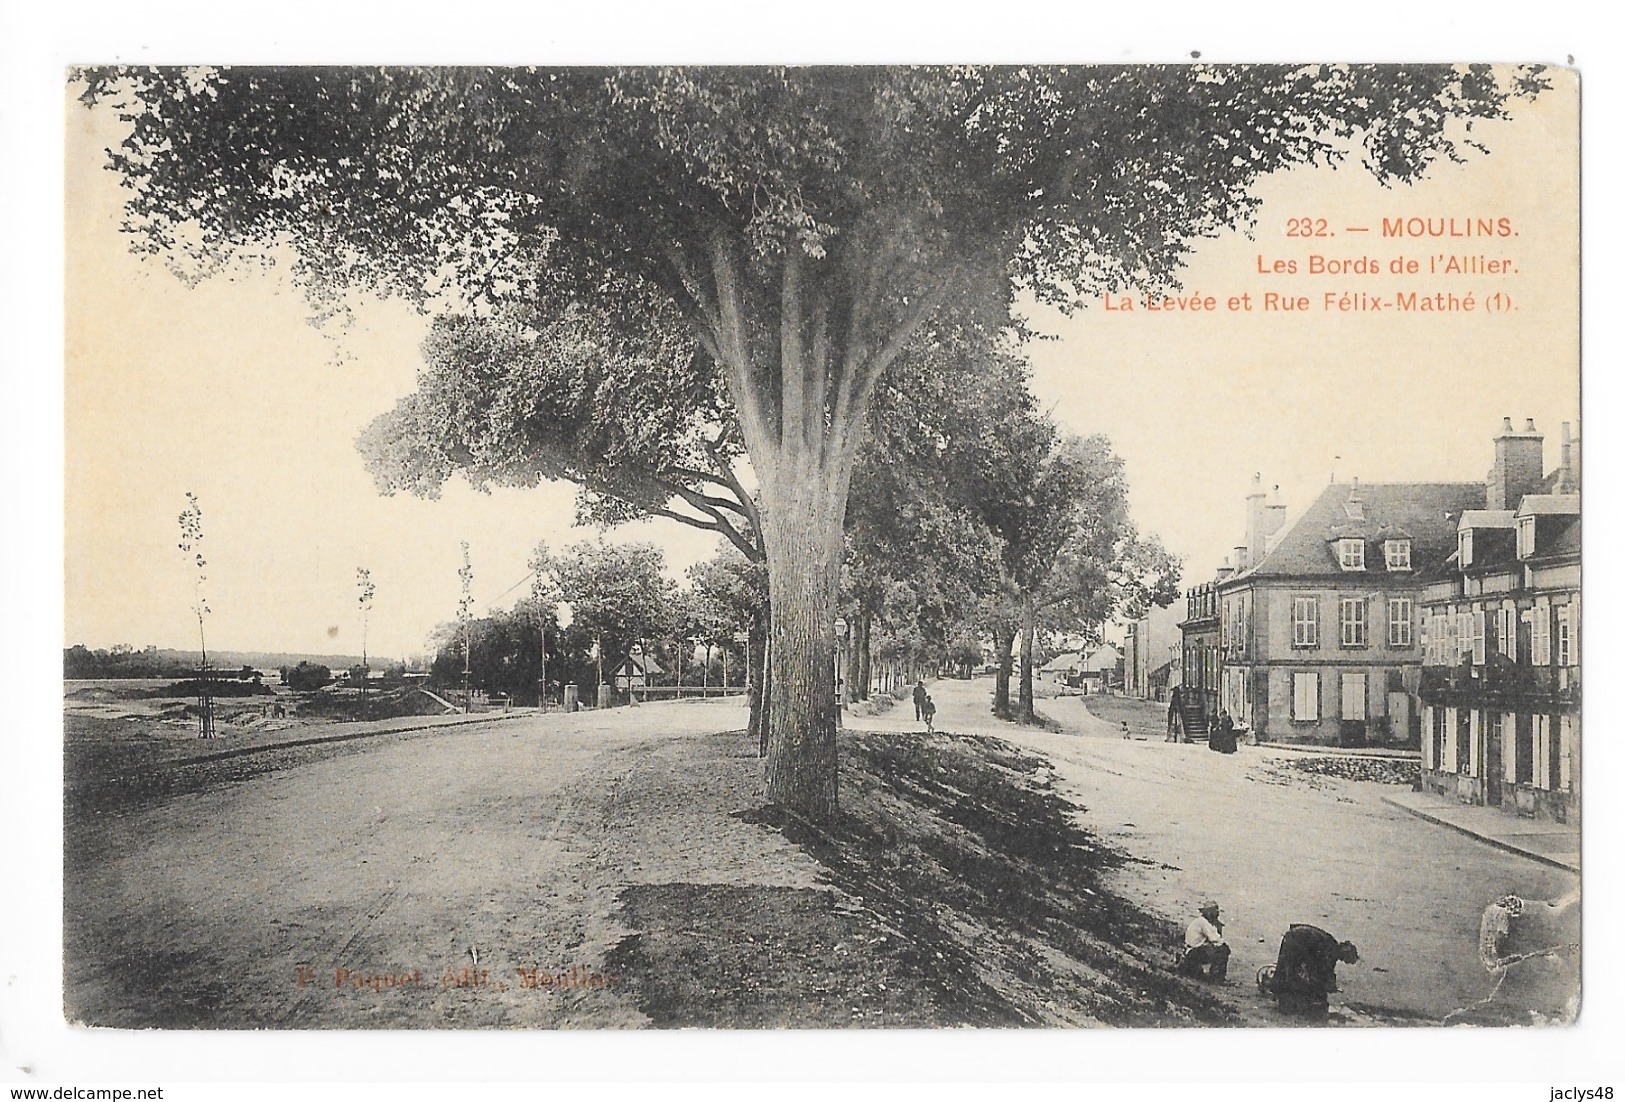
x=1500 y=686
x=1317 y=627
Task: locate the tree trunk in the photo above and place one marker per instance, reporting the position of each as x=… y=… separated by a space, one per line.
x=1003 y=641
x=865 y=659
x=757 y=678
x=801 y=529
x=1029 y=628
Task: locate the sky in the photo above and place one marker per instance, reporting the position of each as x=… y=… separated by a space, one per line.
x=224 y=389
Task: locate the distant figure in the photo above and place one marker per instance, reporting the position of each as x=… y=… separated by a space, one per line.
x=1125 y=728
x=928 y=712
x=1306 y=970
x=1223 y=736
x=1206 y=955
x=920 y=697
x=1175 y=720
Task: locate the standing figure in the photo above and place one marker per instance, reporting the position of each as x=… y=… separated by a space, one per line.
x=1206 y=955
x=920 y=697
x=928 y=711
x=1306 y=970
x=1223 y=736
x=1175 y=720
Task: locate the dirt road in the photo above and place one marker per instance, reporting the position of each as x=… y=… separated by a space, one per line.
x=407 y=882
x=1277 y=846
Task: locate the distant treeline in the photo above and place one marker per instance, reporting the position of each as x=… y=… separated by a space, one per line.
x=81 y=663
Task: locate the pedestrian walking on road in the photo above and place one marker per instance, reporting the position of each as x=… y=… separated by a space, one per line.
x=920 y=697
x=928 y=712
x=1174 y=718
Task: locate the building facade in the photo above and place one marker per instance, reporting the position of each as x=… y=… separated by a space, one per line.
x=1500 y=691
x=1318 y=629
x=1150 y=644
x=1199 y=655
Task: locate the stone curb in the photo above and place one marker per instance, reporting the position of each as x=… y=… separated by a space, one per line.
x=1488 y=840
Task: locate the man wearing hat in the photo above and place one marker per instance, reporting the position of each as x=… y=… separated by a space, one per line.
x=1206 y=955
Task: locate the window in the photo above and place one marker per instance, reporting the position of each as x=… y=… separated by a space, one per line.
x=1399 y=621
x=1540 y=634
x=1478 y=638
x=1526 y=537
x=1448 y=762
x=1565 y=635
x=1398 y=553
x=1464 y=547
x=1429 y=754
x=1542 y=766
x=1464 y=637
x=1506 y=633
x=1353 y=696
x=1305 y=622
x=1475 y=736
x=1305 y=696
x=1351 y=554
x=1351 y=621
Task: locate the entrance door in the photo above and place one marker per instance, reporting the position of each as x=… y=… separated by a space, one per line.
x=1399 y=716
x=1352 y=710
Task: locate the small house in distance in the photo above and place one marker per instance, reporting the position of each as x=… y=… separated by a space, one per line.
x=637 y=672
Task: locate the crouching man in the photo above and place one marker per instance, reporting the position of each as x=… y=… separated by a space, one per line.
x=1206 y=955
x=1306 y=970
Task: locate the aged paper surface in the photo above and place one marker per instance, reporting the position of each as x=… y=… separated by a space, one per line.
x=1379 y=593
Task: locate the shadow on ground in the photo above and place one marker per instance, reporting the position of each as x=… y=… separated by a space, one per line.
x=964 y=895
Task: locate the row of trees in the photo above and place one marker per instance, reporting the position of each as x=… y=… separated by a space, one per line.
x=621 y=603
x=752 y=251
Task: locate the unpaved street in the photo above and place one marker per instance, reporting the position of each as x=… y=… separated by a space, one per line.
x=478 y=877
x=431 y=869
x=1277 y=846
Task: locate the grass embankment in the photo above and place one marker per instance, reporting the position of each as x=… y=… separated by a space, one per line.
x=965 y=895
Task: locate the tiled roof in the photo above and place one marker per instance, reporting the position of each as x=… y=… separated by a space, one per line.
x=1539 y=504
x=1426 y=512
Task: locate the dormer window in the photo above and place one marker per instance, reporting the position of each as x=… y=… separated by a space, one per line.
x=1398 y=554
x=1464 y=547
x=1526 y=537
x=1351 y=554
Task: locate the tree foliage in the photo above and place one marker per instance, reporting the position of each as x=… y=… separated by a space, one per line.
x=804 y=222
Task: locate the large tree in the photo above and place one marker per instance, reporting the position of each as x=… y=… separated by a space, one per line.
x=802 y=222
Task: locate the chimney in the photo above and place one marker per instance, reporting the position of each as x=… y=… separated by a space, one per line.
x=1224 y=571
x=1242 y=562
x=1568 y=472
x=1520 y=466
x=1274 y=515
x=1256 y=531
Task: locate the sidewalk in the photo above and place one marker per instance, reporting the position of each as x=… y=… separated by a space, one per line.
x=1551 y=843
